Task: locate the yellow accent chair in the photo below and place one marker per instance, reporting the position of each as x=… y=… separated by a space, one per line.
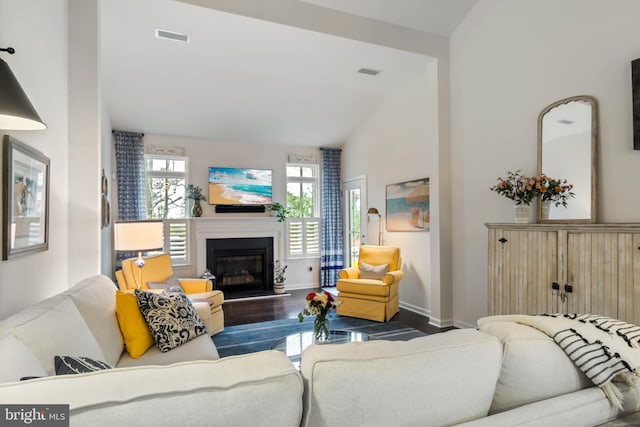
x=158 y=269
x=374 y=296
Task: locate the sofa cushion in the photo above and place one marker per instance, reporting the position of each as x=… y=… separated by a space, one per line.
x=375 y=272
x=533 y=368
x=364 y=286
x=95 y=299
x=60 y=322
x=171 y=318
x=438 y=380
x=201 y=348
x=66 y=365
x=134 y=329
x=17 y=361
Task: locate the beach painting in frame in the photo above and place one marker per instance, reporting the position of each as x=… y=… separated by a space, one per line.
x=407 y=207
x=236 y=186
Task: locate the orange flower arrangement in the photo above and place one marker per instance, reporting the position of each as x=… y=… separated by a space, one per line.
x=523 y=190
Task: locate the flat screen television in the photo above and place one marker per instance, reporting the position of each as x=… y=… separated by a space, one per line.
x=236 y=186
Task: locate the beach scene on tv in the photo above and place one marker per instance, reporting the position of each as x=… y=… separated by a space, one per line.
x=235 y=186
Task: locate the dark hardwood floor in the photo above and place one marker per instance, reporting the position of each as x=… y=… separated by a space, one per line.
x=238 y=312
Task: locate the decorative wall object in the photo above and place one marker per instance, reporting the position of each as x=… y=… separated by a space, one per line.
x=407 y=206
x=168 y=151
x=106 y=206
x=25 y=207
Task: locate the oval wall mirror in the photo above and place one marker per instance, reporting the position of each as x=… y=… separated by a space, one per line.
x=567 y=135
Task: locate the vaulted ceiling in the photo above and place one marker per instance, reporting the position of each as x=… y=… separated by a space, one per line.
x=239 y=78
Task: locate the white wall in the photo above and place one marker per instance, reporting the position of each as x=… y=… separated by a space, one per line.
x=398 y=142
x=508 y=61
x=204 y=153
x=84 y=140
x=37 y=29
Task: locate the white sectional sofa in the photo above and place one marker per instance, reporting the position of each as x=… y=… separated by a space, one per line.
x=501 y=375
x=187 y=386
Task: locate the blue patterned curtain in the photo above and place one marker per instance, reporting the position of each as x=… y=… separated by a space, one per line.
x=331 y=254
x=132 y=195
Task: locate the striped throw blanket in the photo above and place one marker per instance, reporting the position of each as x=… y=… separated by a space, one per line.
x=604 y=349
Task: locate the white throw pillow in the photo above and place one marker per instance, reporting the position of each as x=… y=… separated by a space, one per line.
x=64 y=329
x=18 y=361
x=375 y=272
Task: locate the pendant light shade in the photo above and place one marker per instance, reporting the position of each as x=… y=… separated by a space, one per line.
x=16 y=111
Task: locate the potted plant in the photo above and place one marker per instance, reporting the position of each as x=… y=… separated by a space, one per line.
x=280 y=211
x=553 y=191
x=278 y=286
x=521 y=189
x=194 y=193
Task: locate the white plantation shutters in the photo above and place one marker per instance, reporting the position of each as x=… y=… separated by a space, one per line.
x=303 y=224
x=303 y=237
x=177 y=240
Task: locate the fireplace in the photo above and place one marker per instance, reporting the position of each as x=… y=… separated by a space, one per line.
x=241 y=264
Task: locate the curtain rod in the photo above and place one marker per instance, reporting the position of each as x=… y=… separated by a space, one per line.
x=330 y=148
x=114 y=131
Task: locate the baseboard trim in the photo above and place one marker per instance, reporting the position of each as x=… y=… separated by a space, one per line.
x=414 y=308
x=464 y=325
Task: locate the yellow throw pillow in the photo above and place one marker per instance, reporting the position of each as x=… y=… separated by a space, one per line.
x=134 y=329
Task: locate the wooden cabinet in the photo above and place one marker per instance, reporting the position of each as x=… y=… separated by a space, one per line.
x=596 y=269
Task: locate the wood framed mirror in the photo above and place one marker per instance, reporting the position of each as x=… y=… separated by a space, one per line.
x=567 y=140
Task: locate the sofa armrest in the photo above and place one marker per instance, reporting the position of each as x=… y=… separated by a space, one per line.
x=195 y=286
x=393 y=276
x=349 y=273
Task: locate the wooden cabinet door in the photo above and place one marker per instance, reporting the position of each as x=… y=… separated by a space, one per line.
x=593 y=271
x=522 y=266
x=629 y=278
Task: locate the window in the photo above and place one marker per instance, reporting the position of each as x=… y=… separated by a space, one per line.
x=166 y=178
x=166 y=183
x=303 y=224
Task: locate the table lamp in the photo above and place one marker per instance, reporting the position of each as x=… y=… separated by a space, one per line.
x=138 y=236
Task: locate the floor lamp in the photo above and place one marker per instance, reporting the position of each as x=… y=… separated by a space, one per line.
x=374 y=211
x=138 y=236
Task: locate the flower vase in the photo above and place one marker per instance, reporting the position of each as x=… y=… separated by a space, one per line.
x=196 y=210
x=545 y=207
x=321 y=330
x=521 y=214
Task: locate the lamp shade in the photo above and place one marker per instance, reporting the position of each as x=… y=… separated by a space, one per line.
x=138 y=236
x=16 y=111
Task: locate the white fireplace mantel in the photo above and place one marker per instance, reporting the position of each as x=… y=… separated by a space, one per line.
x=236 y=227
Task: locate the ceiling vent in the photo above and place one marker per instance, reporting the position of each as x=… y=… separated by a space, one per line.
x=171 y=35
x=565 y=122
x=368 y=71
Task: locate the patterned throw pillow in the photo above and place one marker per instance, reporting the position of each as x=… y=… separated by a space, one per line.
x=77 y=365
x=171 y=318
x=376 y=272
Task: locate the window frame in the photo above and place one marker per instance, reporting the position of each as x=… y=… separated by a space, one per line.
x=304 y=220
x=187 y=260
x=169 y=174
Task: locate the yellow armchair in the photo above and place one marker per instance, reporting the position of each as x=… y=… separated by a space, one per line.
x=157 y=269
x=374 y=296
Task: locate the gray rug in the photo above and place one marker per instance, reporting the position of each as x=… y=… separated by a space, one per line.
x=254 y=337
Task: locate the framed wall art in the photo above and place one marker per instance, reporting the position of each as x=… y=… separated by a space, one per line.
x=25 y=204
x=407 y=206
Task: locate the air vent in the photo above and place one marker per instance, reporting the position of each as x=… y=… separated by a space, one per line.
x=368 y=71
x=565 y=122
x=171 y=35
